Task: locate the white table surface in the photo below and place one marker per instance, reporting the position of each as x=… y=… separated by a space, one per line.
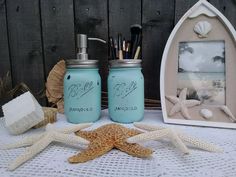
x=166 y=160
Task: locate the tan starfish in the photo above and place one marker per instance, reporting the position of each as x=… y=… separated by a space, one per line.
x=107 y=137
x=181 y=104
x=176 y=136
x=42 y=140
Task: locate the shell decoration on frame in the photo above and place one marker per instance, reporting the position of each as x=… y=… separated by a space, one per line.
x=206 y=113
x=202 y=28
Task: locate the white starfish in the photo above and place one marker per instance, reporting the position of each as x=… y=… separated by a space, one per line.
x=40 y=141
x=181 y=104
x=177 y=138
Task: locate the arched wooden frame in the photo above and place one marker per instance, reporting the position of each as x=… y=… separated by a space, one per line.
x=222 y=30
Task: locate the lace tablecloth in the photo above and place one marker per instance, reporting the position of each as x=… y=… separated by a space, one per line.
x=166 y=160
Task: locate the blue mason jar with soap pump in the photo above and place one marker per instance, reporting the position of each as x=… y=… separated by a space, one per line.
x=82 y=86
x=126 y=91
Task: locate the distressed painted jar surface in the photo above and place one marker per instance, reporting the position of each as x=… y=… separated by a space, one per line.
x=82 y=91
x=126 y=91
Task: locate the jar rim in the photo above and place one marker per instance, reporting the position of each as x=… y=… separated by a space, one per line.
x=76 y=63
x=125 y=63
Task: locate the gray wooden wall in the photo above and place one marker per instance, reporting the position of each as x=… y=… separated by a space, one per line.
x=35 y=34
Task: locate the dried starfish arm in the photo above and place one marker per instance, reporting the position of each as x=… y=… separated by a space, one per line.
x=184 y=111
x=134 y=149
x=182 y=95
x=148 y=136
x=175 y=109
x=191 y=103
x=199 y=143
x=89 y=135
x=70 y=139
x=133 y=132
x=148 y=127
x=28 y=141
x=158 y=135
x=173 y=99
x=94 y=150
x=177 y=141
x=31 y=152
x=71 y=129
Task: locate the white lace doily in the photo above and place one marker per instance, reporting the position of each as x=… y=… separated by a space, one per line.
x=166 y=161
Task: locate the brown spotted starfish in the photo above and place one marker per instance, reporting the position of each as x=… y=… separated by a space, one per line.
x=107 y=137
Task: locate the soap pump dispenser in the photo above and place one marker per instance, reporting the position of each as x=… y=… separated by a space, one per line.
x=82 y=85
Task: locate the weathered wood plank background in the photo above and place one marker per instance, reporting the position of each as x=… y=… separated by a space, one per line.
x=35 y=34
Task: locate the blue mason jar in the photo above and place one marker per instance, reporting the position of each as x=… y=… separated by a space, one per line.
x=82 y=91
x=126 y=91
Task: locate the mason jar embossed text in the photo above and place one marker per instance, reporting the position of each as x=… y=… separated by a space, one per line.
x=82 y=91
x=126 y=91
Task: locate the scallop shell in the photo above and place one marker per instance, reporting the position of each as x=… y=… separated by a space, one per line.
x=60 y=106
x=202 y=28
x=206 y=113
x=54 y=85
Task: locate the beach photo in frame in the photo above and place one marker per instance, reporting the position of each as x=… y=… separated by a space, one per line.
x=198 y=70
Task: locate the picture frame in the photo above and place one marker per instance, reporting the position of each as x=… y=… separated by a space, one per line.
x=198 y=70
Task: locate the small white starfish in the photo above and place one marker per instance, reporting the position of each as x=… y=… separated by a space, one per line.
x=177 y=138
x=181 y=104
x=42 y=140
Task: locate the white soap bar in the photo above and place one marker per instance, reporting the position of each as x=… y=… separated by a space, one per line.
x=22 y=113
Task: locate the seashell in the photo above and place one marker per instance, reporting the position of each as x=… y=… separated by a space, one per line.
x=206 y=113
x=60 y=106
x=202 y=28
x=54 y=85
x=227 y=111
x=50 y=116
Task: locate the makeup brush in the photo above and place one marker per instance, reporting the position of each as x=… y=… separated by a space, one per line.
x=123 y=47
x=120 y=46
x=112 y=48
x=116 y=48
x=127 y=49
x=135 y=30
x=137 y=51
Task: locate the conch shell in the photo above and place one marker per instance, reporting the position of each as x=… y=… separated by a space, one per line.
x=227 y=111
x=202 y=28
x=54 y=84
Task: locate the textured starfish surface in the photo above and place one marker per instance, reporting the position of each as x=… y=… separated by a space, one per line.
x=181 y=104
x=177 y=137
x=42 y=140
x=107 y=137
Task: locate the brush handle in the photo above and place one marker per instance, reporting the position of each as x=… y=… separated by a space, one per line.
x=137 y=52
x=112 y=48
x=120 y=54
x=134 y=46
x=116 y=49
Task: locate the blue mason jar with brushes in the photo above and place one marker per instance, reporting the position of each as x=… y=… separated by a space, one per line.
x=82 y=86
x=125 y=91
